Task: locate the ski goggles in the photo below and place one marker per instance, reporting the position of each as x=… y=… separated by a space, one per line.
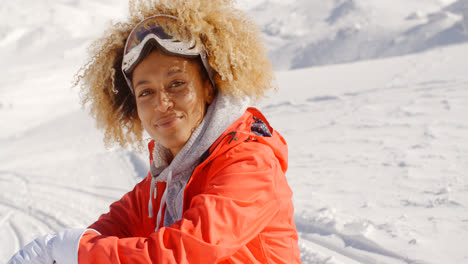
x=159 y=31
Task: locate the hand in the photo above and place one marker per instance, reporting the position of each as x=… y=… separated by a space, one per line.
x=58 y=248
x=36 y=252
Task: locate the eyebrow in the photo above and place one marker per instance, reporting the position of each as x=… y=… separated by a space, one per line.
x=141 y=82
x=171 y=72
x=174 y=71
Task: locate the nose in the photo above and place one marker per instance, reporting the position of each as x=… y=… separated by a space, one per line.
x=164 y=102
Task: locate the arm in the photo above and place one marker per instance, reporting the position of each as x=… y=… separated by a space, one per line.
x=237 y=202
x=123 y=220
x=126 y=216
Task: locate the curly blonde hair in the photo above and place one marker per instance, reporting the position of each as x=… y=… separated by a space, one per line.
x=232 y=41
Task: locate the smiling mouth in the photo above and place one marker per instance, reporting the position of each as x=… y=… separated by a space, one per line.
x=167 y=122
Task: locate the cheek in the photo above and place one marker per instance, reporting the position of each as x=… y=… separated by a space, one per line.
x=190 y=94
x=143 y=114
x=191 y=101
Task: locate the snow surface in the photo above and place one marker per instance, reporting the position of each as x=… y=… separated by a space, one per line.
x=378 y=149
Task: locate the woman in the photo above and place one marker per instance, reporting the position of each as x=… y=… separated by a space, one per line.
x=216 y=191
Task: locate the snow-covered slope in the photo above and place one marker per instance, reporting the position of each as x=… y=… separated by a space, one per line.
x=306 y=33
x=378 y=157
x=42 y=46
x=378 y=149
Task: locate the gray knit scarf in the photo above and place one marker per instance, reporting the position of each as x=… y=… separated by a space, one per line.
x=222 y=112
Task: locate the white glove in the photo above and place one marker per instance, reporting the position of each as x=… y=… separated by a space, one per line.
x=61 y=248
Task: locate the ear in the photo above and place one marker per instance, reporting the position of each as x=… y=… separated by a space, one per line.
x=209 y=92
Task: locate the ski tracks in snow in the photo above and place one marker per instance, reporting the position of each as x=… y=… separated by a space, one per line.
x=342 y=248
x=31 y=208
x=406 y=136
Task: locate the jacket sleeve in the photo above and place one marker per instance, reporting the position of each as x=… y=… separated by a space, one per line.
x=237 y=202
x=126 y=215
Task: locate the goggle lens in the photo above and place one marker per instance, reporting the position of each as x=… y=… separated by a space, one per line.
x=158 y=26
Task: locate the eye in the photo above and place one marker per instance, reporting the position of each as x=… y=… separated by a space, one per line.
x=176 y=84
x=144 y=93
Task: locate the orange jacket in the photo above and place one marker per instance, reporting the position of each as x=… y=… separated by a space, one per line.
x=237 y=209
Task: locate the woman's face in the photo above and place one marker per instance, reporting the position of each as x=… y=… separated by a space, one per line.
x=171 y=98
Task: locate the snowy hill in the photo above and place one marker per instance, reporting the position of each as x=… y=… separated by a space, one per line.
x=378 y=157
x=378 y=149
x=306 y=33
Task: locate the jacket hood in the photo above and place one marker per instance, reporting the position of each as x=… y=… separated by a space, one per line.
x=252 y=126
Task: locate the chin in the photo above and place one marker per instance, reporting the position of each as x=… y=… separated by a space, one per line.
x=172 y=143
x=171 y=139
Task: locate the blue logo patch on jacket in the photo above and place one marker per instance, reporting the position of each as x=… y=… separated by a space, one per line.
x=259 y=128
